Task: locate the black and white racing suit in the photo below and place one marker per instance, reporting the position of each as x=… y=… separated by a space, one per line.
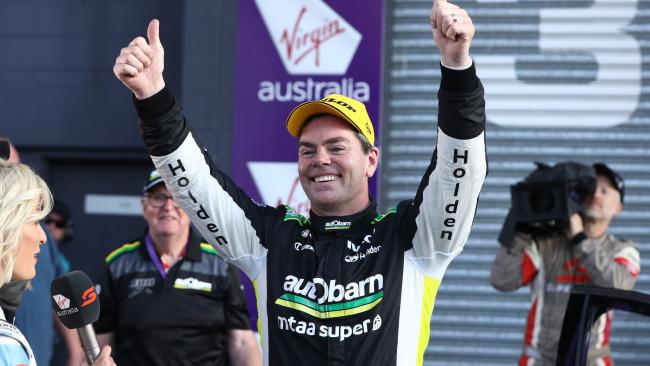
x=353 y=290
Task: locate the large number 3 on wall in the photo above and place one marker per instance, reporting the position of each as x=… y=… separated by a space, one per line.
x=608 y=100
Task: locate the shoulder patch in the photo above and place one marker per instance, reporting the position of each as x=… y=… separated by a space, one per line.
x=126 y=248
x=291 y=214
x=205 y=247
x=381 y=217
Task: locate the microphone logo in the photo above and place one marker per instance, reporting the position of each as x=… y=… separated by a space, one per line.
x=62 y=301
x=89 y=296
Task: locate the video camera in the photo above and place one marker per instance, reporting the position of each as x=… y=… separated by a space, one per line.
x=547 y=197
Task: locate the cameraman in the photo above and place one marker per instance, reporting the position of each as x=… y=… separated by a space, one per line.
x=552 y=262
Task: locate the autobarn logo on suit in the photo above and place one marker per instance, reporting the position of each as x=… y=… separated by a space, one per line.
x=310 y=39
x=320 y=299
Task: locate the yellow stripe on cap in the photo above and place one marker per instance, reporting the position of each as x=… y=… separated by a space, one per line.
x=348 y=109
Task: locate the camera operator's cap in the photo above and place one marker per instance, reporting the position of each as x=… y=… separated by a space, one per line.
x=348 y=109
x=615 y=178
x=153 y=179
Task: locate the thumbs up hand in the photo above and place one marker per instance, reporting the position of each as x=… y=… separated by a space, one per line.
x=140 y=65
x=453 y=31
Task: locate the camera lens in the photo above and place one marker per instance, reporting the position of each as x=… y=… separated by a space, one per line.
x=541 y=201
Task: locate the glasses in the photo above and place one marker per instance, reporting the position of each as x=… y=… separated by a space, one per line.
x=59 y=224
x=159 y=200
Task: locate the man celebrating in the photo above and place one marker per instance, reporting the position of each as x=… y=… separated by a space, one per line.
x=168 y=299
x=553 y=262
x=346 y=285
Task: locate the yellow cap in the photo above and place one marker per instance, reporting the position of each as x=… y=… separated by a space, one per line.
x=350 y=110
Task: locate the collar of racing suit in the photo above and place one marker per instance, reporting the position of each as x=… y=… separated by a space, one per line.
x=10 y=297
x=343 y=224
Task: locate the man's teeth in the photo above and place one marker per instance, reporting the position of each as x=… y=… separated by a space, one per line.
x=325 y=178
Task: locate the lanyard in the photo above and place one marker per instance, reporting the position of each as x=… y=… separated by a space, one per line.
x=155 y=258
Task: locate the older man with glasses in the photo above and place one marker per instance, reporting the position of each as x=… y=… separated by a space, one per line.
x=168 y=299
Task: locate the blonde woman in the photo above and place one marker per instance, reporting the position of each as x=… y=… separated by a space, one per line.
x=24 y=200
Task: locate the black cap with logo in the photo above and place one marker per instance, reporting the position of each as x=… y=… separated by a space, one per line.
x=615 y=178
x=153 y=179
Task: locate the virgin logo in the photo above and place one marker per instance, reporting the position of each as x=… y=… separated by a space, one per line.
x=61 y=301
x=309 y=36
x=301 y=206
x=301 y=43
x=278 y=184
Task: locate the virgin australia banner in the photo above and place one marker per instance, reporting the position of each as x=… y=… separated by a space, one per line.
x=289 y=52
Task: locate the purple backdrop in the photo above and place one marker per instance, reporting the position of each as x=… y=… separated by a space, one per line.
x=290 y=51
